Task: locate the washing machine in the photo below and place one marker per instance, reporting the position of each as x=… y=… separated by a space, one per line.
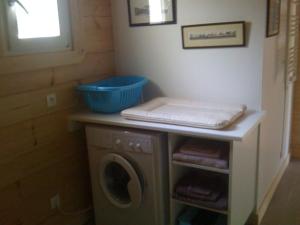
x=129 y=176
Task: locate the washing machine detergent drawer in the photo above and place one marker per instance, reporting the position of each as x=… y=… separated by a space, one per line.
x=125 y=172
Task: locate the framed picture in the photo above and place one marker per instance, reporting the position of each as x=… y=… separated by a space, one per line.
x=149 y=12
x=273 y=17
x=214 y=35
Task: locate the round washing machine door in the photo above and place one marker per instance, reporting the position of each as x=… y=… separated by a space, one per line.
x=120 y=182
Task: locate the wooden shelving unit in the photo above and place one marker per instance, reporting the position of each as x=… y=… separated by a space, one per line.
x=195 y=166
x=224 y=212
x=242 y=155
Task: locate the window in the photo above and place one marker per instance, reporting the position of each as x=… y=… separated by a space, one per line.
x=49 y=35
x=38 y=26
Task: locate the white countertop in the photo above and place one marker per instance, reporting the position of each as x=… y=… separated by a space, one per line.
x=235 y=132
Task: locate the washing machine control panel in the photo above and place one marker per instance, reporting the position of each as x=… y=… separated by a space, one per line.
x=128 y=141
x=132 y=142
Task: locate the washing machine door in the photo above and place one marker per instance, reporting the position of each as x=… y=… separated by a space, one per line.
x=120 y=182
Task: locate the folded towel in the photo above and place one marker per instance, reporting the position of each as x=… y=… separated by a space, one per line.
x=220 y=204
x=185 y=188
x=217 y=163
x=186 y=192
x=207 y=189
x=200 y=183
x=205 y=148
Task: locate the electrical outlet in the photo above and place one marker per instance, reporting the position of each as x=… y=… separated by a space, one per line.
x=55 y=202
x=51 y=100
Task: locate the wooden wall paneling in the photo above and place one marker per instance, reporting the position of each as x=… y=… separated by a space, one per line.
x=48 y=155
x=59 y=219
x=10 y=65
x=76 y=172
x=9 y=173
x=52 y=127
x=14 y=109
x=66 y=97
x=95 y=8
x=38 y=156
x=97 y=64
x=21 y=138
x=21 y=107
x=10 y=206
x=93 y=79
x=24 y=82
x=37 y=189
x=45 y=180
x=16 y=140
x=98 y=34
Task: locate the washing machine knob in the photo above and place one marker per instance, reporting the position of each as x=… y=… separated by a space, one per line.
x=118 y=142
x=131 y=145
x=138 y=147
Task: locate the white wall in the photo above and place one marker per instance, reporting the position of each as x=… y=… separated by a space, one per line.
x=229 y=75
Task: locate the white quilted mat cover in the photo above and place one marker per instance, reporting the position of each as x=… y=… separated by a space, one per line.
x=186 y=113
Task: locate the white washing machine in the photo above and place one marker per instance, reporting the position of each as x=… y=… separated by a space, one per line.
x=129 y=173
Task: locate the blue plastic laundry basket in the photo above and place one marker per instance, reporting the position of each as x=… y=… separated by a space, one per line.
x=114 y=94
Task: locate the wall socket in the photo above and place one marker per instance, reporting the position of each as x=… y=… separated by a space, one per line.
x=55 y=202
x=51 y=100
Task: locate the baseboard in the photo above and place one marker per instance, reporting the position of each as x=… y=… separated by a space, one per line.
x=268 y=198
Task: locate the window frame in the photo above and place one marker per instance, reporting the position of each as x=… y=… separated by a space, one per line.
x=12 y=62
x=44 y=44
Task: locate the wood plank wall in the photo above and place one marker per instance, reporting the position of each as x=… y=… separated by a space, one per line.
x=38 y=156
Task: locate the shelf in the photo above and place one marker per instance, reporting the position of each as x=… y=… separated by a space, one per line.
x=196 y=166
x=224 y=212
x=235 y=132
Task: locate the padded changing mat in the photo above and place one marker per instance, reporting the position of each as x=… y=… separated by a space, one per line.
x=186 y=113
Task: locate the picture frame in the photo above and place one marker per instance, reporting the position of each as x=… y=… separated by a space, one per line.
x=214 y=35
x=142 y=13
x=273 y=17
